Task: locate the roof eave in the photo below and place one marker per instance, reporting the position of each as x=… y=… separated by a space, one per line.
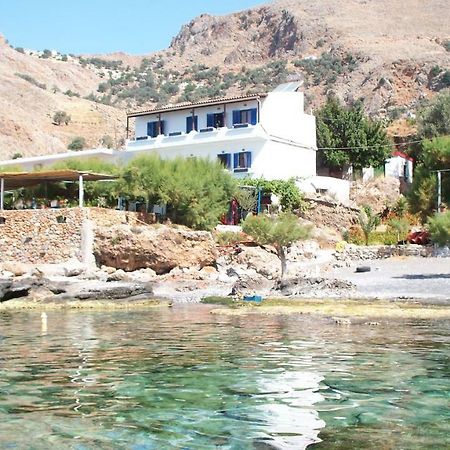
x=181 y=107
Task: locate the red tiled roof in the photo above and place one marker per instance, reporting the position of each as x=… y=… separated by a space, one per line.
x=189 y=105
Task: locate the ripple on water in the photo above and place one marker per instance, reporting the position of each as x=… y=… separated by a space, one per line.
x=187 y=379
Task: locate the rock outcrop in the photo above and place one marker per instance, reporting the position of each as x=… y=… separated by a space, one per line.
x=157 y=247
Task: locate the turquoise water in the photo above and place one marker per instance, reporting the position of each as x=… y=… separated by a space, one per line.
x=183 y=378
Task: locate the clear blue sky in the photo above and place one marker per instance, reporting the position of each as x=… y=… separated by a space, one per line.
x=103 y=26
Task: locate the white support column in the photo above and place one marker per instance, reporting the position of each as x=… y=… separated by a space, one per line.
x=80 y=191
x=439 y=191
x=2 y=193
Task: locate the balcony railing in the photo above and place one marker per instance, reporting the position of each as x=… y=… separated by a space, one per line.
x=238 y=130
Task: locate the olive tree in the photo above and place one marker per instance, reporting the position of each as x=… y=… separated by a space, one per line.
x=280 y=231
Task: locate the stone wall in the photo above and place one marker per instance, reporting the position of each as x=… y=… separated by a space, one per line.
x=355 y=252
x=54 y=235
x=41 y=236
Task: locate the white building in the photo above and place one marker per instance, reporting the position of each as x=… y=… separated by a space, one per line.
x=264 y=135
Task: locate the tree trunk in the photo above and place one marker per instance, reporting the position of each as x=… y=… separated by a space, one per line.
x=282 y=256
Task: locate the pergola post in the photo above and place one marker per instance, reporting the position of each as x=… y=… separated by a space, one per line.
x=80 y=191
x=2 y=193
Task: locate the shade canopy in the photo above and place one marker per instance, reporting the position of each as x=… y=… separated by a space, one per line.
x=16 y=180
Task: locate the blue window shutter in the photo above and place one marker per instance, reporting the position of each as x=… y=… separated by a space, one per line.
x=151 y=129
x=228 y=160
x=235 y=160
x=195 y=123
x=249 y=159
x=236 y=117
x=163 y=123
x=188 y=124
x=253 y=116
x=209 y=120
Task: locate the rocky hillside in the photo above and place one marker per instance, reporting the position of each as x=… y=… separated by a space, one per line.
x=32 y=89
x=391 y=54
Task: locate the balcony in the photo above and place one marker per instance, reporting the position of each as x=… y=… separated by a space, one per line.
x=208 y=134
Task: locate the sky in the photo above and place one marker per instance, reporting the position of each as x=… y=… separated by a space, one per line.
x=104 y=26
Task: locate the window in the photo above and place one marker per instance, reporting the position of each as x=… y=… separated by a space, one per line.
x=191 y=123
x=225 y=159
x=242 y=161
x=245 y=116
x=155 y=128
x=215 y=120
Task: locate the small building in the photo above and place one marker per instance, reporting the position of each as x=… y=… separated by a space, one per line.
x=400 y=166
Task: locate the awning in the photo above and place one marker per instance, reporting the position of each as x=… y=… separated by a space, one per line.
x=17 y=180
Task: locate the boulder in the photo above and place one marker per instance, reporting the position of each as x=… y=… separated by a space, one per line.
x=260 y=259
x=250 y=283
x=313 y=286
x=158 y=247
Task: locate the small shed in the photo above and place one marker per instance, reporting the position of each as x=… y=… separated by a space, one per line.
x=17 y=180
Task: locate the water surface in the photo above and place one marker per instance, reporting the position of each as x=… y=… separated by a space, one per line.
x=183 y=378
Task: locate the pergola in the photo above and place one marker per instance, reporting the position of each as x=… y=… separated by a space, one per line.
x=17 y=180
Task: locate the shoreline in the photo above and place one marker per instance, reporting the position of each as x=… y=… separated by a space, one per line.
x=337 y=309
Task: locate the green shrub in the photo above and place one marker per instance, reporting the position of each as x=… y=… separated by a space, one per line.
x=77 y=143
x=401 y=226
x=368 y=221
x=61 y=117
x=71 y=93
x=31 y=80
x=291 y=198
x=439 y=227
x=435 y=71
x=228 y=237
x=20 y=49
x=46 y=54
x=17 y=155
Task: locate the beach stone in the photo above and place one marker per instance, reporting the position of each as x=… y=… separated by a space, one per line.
x=16 y=268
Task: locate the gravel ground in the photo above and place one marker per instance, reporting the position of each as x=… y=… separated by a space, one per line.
x=427 y=279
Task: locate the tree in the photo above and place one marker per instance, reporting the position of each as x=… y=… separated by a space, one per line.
x=197 y=191
x=439 y=227
x=349 y=137
x=435 y=155
x=279 y=231
x=368 y=221
x=77 y=143
x=61 y=117
x=434 y=119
